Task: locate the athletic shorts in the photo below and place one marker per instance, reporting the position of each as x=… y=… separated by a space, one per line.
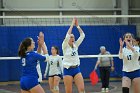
x=59 y=75
x=72 y=71
x=28 y=82
x=132 y=75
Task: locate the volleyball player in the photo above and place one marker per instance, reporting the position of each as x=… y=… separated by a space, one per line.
x=29 y=79
x=131 y=67
x=71 y=60
x=54 y=69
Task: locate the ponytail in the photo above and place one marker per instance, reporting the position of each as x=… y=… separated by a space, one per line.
x=23 y=47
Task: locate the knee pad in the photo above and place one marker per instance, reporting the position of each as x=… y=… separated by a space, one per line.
x=56 y=88
x=125 y=90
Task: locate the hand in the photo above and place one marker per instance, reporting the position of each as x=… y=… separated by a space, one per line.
x=95 y=68
x=41 y=39
x=38 y=41
x=112 y=68
x=73 y=21
x=121 y=42
x=76 y=22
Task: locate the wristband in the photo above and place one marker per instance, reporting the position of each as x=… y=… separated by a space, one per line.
x=78 y=26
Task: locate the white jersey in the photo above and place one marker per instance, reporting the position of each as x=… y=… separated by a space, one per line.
x=39 y=68
x=130 y=59
x=39 y=72
x=71 y=57
x=54 y=65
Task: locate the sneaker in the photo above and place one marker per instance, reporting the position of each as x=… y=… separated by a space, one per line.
x=107 y=90
x=103 y=90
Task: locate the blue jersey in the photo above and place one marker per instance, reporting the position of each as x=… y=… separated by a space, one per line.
x=29 y=63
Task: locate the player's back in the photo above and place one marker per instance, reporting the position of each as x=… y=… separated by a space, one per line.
x=29 y=63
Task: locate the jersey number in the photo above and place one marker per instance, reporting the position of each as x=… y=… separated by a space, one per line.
x=73 y=54
x=129 y=57
x=51 y=62
x=23 y=62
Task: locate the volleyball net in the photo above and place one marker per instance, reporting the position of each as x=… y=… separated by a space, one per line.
x=66 y=20
x=11 y=25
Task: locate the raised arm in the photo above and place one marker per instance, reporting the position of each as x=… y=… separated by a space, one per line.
x=44 y=49
x=121 y=48
x=82 y=35
x=78 y=27
x=39 y=49
x=41 y=44
x=71 y=27
x=65 y=42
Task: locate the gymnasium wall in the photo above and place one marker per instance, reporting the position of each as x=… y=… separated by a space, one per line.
x=52 y=4
x=10 y=38
x=48 y=4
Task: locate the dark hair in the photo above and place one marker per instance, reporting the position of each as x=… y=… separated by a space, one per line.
x=128 y=33
x=138 y=40
x=23 y=47
x=57 y=49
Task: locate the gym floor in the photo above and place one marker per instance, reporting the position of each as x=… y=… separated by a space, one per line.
x=14 y=87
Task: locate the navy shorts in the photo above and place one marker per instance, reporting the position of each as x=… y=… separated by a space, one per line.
x=28 y=82
x=132 y=75
x=71 y=71
x=59 y=75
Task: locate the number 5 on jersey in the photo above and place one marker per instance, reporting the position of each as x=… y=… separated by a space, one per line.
x=73 y=54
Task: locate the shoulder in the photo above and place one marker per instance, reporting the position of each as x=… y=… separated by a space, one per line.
x=99 y=54
x=58 y=55
x=34 y=54
x=137 y=48
x=31 y=53
x=107 y=52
